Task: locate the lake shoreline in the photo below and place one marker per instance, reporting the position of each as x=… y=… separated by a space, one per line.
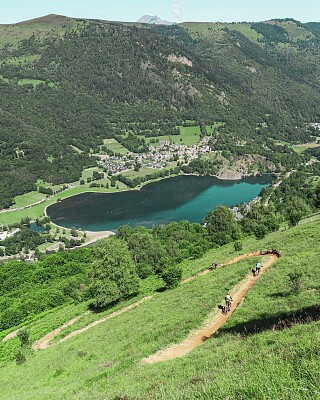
x=157 y=204
x=94 y=236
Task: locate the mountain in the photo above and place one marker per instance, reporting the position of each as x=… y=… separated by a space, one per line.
x=71 y=83
x=153 y=19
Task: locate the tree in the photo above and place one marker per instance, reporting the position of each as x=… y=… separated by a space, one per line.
x=114 y=275
x=222 y=226
x=172 y=276
x=297 y=209
x=317 y=199
x=147 y=252
x=73 y=232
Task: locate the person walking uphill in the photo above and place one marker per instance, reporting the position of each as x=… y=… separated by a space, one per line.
x=228 y=300
x=258 y=268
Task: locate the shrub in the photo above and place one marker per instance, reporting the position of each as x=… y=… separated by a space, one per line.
x=172 y=276
x=237 y=246
x=295 y=281
x=23 y=336
x=20 y=357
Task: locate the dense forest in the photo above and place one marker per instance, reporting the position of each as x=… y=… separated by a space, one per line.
x=70 y=84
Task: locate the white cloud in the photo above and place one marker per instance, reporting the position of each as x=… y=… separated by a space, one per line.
x=177 y=7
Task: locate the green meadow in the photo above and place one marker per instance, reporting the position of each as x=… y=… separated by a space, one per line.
x=189 y=135
x=268 y=349
x=115 y=146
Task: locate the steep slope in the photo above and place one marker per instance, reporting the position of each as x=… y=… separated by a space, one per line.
x=271 y=334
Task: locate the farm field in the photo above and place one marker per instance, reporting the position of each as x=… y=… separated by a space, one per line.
x=271 y=335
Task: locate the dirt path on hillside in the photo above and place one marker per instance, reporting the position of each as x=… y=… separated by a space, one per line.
x=231 y=261
x=11 y=335
x=215 y=321
x=46 y=340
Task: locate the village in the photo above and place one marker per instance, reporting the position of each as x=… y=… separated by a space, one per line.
x=156 y=157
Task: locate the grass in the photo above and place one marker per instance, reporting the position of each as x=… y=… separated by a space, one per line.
x=215 y=30
x=38 y=210
x=299 y=148
x=115 y=146
x=23 y=60
x=145 y=171
x=33 y=82
x=189 y=135
x=104 y=362
x=296 y=32
x=13 y=34
x=28 y=198
x=142 y=172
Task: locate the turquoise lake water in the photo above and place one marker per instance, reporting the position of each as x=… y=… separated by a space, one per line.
x=174 y=199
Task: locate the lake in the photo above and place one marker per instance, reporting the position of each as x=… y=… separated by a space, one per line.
x=174 y=199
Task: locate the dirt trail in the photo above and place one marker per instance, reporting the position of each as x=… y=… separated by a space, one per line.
x=114 y=314
x=11 y=335
x=196 y=338
x=231 y=261
x=45 y=341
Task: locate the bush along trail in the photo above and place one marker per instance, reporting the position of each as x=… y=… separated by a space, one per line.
x=196 y=338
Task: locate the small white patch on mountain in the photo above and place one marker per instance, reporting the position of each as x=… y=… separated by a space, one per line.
x=182 y=60
x=153 y=19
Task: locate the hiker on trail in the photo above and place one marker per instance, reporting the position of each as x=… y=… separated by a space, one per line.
x=228 y=300
x=258 y=268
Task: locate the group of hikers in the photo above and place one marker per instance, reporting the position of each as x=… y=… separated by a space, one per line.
x=228 y=299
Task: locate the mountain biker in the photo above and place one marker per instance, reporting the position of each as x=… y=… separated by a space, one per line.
x=228 y=299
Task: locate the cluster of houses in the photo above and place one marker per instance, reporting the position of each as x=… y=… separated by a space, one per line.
x=156 y=157
x=315 y=126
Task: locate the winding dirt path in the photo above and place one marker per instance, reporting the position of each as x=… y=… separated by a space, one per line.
x=196 y=338
x=11 y=335
x=45 y=341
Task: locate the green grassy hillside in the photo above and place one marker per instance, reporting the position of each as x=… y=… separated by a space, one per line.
x=269 y=348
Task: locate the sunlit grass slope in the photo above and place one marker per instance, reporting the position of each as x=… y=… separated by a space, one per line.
x=269 y=348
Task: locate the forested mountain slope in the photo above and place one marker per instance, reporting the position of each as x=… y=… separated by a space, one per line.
x=74 y=82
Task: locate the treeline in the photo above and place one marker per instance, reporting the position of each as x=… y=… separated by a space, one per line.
x=272 y=33
x=133 y=143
